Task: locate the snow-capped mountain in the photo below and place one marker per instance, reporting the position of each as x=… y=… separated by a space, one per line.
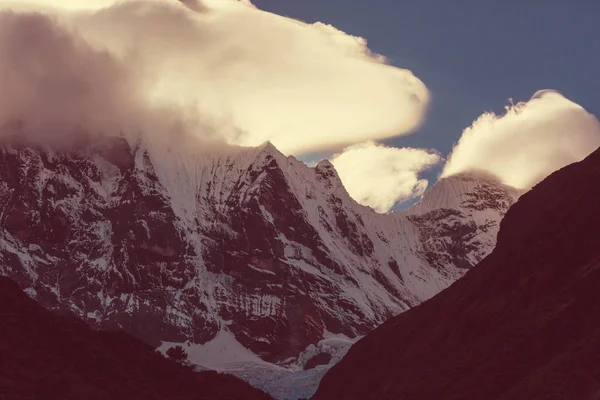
x=177 y=245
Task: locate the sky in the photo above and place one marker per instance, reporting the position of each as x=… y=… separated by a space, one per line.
x=394 y=93
x=473 y=55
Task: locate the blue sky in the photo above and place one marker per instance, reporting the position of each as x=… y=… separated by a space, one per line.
x=472 y=55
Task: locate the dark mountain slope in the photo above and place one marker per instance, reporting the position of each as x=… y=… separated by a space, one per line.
x=524 y=324
x=45 y=356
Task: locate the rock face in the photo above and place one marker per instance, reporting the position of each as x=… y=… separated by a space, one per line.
x=523 y=324
x=175 y=245
x=46 y=356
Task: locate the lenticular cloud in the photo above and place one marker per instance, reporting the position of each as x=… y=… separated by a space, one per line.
x=218 y=69
x=528 y=142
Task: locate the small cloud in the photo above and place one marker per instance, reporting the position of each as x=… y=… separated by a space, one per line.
x=529 y=142
x=379 y=176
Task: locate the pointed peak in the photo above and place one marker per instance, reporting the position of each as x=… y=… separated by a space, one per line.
x=324 y=164
x=265 y=154
x=326 y=172
x=268 y=147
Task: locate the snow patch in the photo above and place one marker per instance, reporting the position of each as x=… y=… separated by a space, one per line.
x=262 y=271
x=221 y=353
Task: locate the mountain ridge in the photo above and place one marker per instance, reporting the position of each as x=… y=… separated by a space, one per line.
x=177 y=245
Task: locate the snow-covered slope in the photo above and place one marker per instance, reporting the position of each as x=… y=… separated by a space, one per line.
x=177 y=245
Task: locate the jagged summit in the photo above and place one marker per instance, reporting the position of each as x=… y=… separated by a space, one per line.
x=326 y=173
x=467 y=190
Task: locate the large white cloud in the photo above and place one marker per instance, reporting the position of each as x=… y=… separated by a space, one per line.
x=380 y=176
x=225 y=69
x=528 y=142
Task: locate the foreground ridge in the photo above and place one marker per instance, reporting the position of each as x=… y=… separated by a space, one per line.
x=46 y=356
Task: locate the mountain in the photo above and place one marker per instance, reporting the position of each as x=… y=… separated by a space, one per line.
x=523 y=324
x=46 y=356
x=236 y=247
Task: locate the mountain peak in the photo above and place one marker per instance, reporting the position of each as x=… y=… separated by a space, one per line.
x=327 y=174
x=324 y=164
x=269 y=148
x=467 y=190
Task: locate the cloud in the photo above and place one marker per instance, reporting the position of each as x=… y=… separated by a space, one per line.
x=54 y=82
x=528 y=142
x=222 y=68
x=379 y=176
x=58 y=89
x=62 y=4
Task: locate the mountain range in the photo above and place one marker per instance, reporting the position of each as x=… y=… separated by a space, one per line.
x=237 y=250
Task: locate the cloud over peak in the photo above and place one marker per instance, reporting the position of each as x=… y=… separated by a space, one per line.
x=222 y=68
x=527 y=143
